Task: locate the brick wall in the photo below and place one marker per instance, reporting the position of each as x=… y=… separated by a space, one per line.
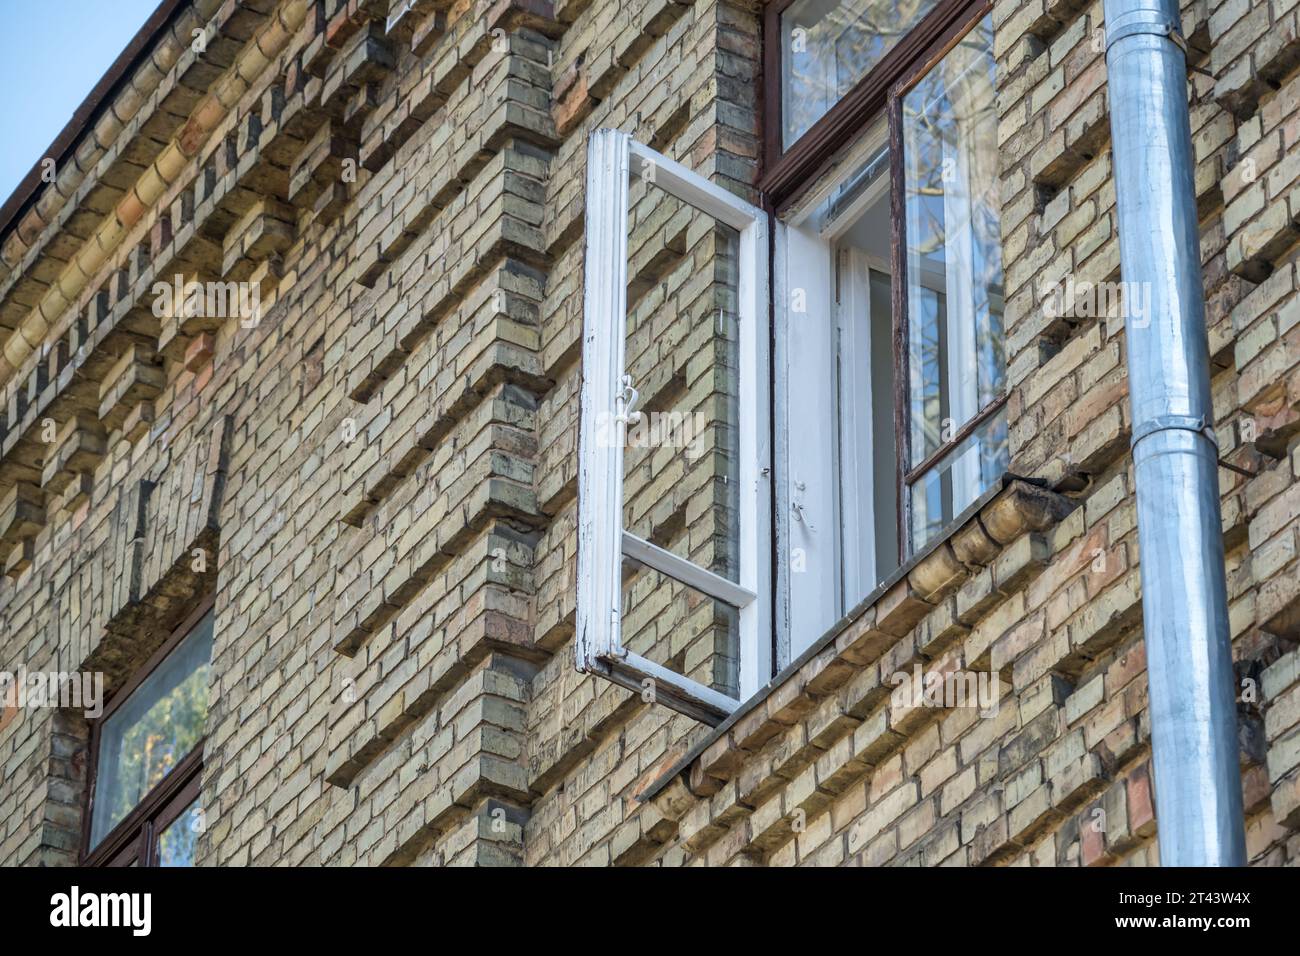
x=377 y=479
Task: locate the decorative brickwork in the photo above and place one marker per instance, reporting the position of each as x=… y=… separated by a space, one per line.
x=374 y=472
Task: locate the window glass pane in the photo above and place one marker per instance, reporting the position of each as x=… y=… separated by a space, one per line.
x=956 y=360
x=176 y=842
x=958 y=479
x=681 y=488
x=828 y=45
x=672 y=624
x=859 y=191
x=144 y=739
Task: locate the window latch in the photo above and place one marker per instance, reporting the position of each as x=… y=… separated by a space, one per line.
x=625 y=403
x=799 y=511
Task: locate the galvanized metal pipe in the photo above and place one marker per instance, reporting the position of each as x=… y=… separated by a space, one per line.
x=1184 y=596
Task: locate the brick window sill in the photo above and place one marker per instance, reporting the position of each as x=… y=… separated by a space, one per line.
x=939 y=596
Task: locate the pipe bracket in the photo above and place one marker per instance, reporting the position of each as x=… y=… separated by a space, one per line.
x=1157 y=26
x=1163 y=423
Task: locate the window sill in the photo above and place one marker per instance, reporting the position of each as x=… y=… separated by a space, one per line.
x=992 y=550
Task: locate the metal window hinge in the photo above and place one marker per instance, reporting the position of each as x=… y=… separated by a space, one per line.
x=625 y=403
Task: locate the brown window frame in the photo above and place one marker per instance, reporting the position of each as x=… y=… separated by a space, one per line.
x=787 y=173
x=135 y=838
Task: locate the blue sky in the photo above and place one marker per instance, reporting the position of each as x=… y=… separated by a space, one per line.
x=52 y=53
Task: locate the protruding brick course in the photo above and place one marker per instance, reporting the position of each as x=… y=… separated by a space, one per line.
x=376 y=477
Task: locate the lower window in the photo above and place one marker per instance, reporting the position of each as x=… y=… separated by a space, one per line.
x=147 y=757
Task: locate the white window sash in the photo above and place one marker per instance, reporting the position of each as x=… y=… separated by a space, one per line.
x=612 y=158
x=808 y=577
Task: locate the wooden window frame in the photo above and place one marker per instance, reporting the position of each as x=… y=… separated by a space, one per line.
x=789 y=174
x=786 y=172
x=968 y=16
x=135 y=837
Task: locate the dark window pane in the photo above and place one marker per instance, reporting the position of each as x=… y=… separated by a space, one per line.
x=144 y=739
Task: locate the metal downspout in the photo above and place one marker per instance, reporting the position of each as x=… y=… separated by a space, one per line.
x=1175 y=457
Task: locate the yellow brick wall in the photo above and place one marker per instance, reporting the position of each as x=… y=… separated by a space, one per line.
x=381 y=474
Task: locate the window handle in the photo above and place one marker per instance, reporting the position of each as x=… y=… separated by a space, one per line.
x=799 y=511
x=625 y=403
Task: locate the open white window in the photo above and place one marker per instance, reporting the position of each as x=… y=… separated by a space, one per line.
x=888 y=336
x=674 y=538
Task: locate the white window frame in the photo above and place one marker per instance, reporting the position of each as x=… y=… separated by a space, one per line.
x=825 y=494
x=607 y=395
